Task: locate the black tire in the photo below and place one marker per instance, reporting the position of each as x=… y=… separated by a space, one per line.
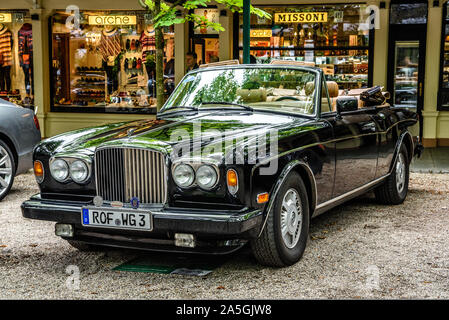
x=83 y=246
x=389 y=192
x=10 y=160
x=270 y=249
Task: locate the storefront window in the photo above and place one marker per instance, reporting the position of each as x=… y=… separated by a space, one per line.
x=204 y=41
x=443 y=96
x=335 y=38
x=108 y=63
x=16 y=57
x=408 y=13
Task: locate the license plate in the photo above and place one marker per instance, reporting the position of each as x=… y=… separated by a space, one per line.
x=116 y=218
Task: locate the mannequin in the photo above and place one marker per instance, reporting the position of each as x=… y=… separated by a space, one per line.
x=26 y=55
x=5 y=58
x=147 y=41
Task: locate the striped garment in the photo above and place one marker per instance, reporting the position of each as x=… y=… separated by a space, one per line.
x=6 y=48
x=148 y=43
x=110 y=46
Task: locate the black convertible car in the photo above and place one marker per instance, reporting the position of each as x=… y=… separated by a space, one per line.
x=239 y=153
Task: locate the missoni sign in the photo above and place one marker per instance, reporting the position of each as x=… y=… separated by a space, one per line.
x=300 y=17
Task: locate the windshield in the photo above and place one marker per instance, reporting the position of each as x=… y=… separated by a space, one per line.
x=277 y=89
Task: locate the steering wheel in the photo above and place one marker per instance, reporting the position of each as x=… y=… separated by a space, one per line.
x=287 y=98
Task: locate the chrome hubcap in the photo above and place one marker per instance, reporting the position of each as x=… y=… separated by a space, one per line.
x=5 y=170
x=400 y=173
x=291 y=218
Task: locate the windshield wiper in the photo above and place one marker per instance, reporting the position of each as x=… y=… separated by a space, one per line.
x=231 y=104
x=181 y=107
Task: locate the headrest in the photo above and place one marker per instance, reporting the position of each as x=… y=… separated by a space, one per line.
x=332 y=88
x=252 y=95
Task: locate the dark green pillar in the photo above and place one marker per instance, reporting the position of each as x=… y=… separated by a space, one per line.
x=246 y=30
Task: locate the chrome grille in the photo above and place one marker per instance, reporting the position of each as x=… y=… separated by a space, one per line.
x=125 y=173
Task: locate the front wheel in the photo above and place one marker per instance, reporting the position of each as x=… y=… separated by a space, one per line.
x=284 y=238
x=394 y=189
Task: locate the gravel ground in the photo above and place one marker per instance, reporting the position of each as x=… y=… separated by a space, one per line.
x=358 y=250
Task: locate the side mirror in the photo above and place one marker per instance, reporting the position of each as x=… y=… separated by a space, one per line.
x=347 y=103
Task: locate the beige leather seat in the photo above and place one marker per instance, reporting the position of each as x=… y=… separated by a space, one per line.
x=332 y=88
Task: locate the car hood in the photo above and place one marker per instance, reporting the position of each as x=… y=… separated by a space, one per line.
x=162 y=134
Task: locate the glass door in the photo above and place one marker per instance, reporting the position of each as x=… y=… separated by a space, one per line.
x=406 y=61
x=406 y=74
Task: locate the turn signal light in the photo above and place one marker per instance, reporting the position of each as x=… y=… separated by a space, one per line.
x=39 y=171
x=232 y=181
x=263 y=197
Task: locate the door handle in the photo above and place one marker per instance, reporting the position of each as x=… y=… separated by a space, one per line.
x=420 y=89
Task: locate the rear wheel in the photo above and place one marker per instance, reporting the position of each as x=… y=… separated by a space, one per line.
x=394 y=189
x=7 y=169
x=284 y=238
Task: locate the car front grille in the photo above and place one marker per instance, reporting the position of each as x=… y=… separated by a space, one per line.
x=125 y=173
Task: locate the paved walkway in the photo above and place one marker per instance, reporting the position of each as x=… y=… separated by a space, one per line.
x=433 y=160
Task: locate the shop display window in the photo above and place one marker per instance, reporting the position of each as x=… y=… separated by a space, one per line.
x=107 y=64
x=443 y=103
x=16 y=57
x=408 y=13
x=336 y=38
x=204 y=40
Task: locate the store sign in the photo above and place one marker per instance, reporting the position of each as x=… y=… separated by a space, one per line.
x=300 y=17
x=112 y=20
x=5 y=17
x=262 y=33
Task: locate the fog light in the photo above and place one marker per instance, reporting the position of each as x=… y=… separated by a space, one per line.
x=64 y=230
x=185 y=240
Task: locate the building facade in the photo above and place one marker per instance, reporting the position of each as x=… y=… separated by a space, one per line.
x=86 y=63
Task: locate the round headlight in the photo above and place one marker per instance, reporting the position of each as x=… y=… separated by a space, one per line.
x=59 y=170
x=183 y=175
x=79 y=171
x=206 y=177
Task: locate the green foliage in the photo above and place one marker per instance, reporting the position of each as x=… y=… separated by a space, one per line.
x=222 y=88
x=168 y=15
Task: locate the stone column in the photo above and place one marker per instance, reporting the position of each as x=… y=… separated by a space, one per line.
x=432 y=70
x=41 y=65
x=225 y=37
x=181 y=49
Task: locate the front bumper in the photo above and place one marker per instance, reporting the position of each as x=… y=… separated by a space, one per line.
x=209 y=226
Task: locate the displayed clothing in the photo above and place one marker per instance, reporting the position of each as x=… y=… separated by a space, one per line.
x=29 y=79
x=25 y=44
x=25 y=52
x=5 y=78
x=110 y=45
x=5 y=47
x=147 y=42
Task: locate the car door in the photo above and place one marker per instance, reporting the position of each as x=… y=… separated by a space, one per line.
x=356 y=149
